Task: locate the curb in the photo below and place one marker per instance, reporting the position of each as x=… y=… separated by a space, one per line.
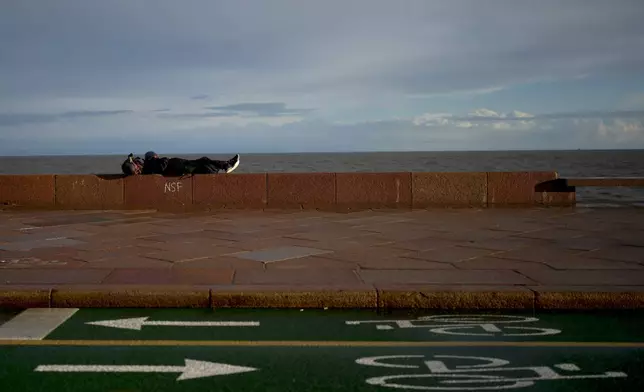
x=266 y=297
x=457 y=300
x=590 y=300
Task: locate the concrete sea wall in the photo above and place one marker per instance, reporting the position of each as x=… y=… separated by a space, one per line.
x=329 y=191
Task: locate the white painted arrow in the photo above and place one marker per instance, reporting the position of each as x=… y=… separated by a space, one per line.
x=137 y=323
x=192 y=369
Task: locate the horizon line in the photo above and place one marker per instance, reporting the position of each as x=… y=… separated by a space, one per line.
x=333 y=152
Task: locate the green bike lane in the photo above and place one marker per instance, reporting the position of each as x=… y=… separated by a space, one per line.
x=308 y=369
x=344 y=325
x=285 y=350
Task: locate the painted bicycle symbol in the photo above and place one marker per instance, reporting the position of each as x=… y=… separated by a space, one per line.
x=484 y=374
x=467 y=325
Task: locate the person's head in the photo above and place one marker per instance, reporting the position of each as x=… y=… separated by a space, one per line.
x=150 y=155
x=132 y=166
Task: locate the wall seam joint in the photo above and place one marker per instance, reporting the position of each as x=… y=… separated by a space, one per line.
x=55 y=191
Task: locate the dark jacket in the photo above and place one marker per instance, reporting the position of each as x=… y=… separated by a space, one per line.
x=155 y=166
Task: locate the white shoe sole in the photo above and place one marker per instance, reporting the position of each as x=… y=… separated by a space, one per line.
x=234 y=166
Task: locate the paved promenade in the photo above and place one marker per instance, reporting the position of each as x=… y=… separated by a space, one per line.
x=442 y=258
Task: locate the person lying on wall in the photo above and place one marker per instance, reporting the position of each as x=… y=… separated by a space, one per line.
x=132 y=166
x=176 y=167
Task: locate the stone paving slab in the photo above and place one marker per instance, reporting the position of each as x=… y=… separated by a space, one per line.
x=271 y=255
x=434 y=258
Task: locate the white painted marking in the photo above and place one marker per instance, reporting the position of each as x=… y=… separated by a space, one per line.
x=492 y=329
x=383 y=382
x=191 y=370
x=456 y=319
x=544 y=373
x=465 y=325
x=35 y=323
x=470 y=375
x=397 y=190
x=172 y=187
x=571 y=367
x=373 y=361
x=491 y=362
x=437 y=367
x=137 y=323
x=408 y=324
x=478 y=319
x=539 y=331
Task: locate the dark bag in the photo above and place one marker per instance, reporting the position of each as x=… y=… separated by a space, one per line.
x=132 y=166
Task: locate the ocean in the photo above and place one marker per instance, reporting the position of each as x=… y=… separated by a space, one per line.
x=579 y=163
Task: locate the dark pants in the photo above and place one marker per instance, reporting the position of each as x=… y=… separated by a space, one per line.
x=203 y=165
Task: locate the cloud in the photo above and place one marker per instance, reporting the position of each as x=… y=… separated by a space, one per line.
x=92 y=113
x=13 y=119
x=484 y=113
x=432 y=119
x=268 y=114
x=478 y=118
x=235 y=48
x=195 y=115
x=633 y=101
x=65 y=71
x=440 y=131
x=482 y=116
x=622 y=131
x=266 y=109
x=597 y=114
x=618 y=129
x=518 y=114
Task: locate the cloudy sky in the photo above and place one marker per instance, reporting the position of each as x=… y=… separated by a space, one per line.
x=120 y=76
